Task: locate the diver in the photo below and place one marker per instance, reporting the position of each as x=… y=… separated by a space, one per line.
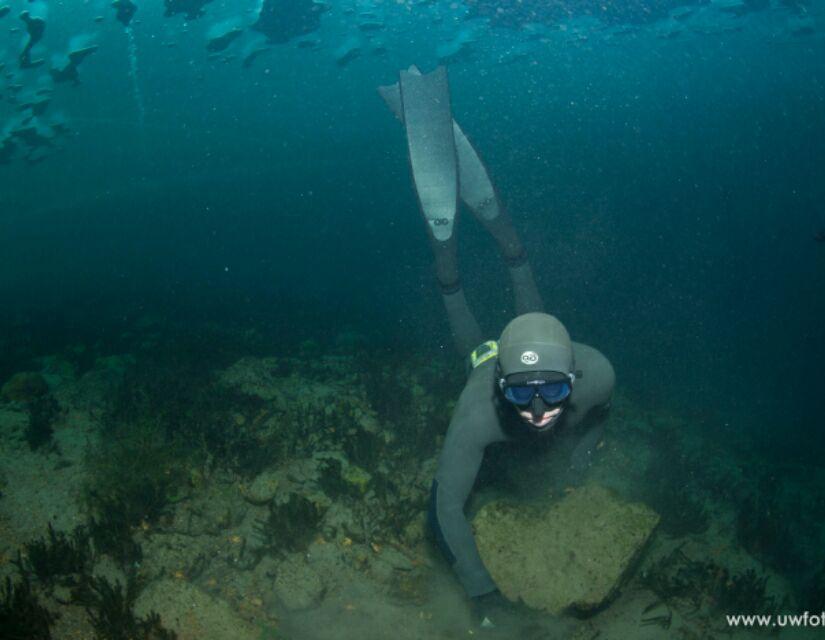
x=282 y=20
x=35 y=27
x=125 y=11
x=819 y=236
x=533 y=381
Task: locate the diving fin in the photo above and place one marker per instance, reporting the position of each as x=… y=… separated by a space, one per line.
x=425 y=108
x=445 y=166
x=475 y=186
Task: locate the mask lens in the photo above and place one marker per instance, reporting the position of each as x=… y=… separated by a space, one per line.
x=520 y=394
x=554 y=392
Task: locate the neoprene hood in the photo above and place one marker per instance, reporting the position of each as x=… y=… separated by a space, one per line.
x=535 y=342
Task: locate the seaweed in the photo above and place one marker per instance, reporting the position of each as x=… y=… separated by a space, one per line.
x=57 y=556
x=411 y=395
x=133 y=479
x=142 y=497
x=677 y=578
x=110 y=529
x=667 y=579
x=781 y=524
x=741 y=592
x=22 y=617
x=650 y=615
x=43 y=411
x=190 y=411
x=763 y=528
x=109 y=608
x=291 y=524
x=363 y=448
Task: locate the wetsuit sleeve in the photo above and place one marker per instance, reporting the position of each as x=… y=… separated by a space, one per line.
x=598 y=379
x=593 y=392
x=474 y=425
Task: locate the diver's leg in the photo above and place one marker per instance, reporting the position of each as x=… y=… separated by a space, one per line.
x=478 y=194
x=422 y=102
x=463 y=326
x=466 y=332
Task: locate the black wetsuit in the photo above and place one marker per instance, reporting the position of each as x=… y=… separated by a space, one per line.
x=482 y=417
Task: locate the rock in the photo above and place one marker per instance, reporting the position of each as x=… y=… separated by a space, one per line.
x=165 y=554
x=571 y=556
x=106 y=567
x=397 y=559
x=263 y=487
x=57 y=371
x=340 y=521
x=212 y=508
x=255 y=377
x=250 y=531
x=13 y=423
x=96 y=388
x=416 y=530
x=24 y=387
x=193 y=614
x=297 y=585
x=402 y=578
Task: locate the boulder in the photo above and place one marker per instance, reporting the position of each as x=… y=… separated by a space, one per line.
x=297 y=584
x=255 y=377
x=97 y=388
x=569 y=557
x=263 y=487
x=193 y=614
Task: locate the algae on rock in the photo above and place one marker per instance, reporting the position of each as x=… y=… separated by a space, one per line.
x=321 y=422
x=25 y=386
x=571 y=556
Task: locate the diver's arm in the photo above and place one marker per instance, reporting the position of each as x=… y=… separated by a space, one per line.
x=583 y=452
x=595 y=386
x=592 y=395
x=474 y=426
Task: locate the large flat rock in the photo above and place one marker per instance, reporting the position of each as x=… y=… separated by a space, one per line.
x=569 y=557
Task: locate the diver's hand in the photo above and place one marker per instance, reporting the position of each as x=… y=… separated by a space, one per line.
x=490 y=610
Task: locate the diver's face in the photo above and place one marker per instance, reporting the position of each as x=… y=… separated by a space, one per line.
x=544 y=421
